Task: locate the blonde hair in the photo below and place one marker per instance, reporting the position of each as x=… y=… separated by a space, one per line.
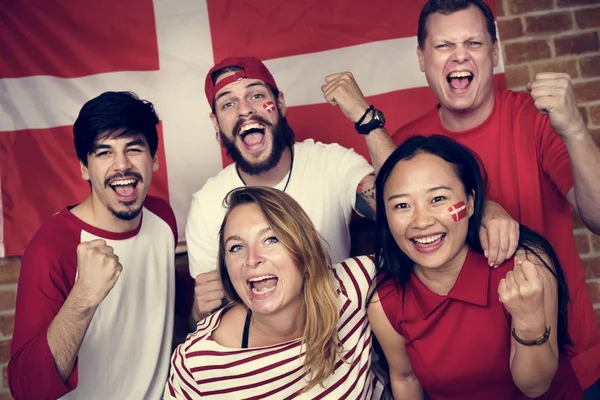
x=296 y=232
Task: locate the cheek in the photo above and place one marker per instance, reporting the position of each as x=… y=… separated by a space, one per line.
x=457 y=211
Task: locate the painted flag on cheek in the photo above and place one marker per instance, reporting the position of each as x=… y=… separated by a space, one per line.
x=458 y=211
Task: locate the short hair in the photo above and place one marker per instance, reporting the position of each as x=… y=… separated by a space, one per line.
x=297 y=233
x=114 y=114
x=446 y=7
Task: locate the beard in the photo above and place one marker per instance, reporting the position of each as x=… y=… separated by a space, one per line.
x=283 y=138
x=126 y=215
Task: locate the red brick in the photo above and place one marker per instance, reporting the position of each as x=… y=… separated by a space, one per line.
x=588 y=18
x=531 y=50
x=549 y=23
x=516 y=76
x=592 y=267
x=587 y=91
x=590 y=66
x=7 y=299
x=566 y=66
x=5 y=376
x=9 y=270
x=524 y=6
x=7 y=323
x=595 y=115
x=4 y=351
x=582 y=241
x=499 y=8
x=568 y=3
x=577 y=44
x=594 y=289
x=510 y=28
x=595 y=239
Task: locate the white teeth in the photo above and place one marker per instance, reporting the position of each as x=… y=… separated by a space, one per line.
x=261 y=278
x=460 y=74
x=250 y=126
x=123 y=182
x=428 y=239
x=264 y=291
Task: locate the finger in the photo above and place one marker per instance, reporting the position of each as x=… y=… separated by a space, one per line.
x=528 y=85
x=208 y=277
x=511 y=283
x=206 y=297
x=529 y=270
x=502 y=290
x=93 y=243
x=333 y=77
x=105 y=249
x=549 y=91
x=513 y=241
x=552 y=75
x=505 y=233
x=519 y=276
x=483 y=239
x=493 y=245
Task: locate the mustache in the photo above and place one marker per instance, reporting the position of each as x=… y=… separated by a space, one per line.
x=257 y=118
x=123 y=175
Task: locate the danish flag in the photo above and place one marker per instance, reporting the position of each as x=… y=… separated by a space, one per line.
x=458 y=211
x=269 y=106
x=58 y=55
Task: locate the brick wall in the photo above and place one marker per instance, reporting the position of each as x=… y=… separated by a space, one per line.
x=559 y=36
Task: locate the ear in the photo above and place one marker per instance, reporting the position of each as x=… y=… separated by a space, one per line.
x=421 y=57
x=281 y=104
x=84 y=172
x=215 y=122
x=155 y=164
x=471 y=204
x=495 y=54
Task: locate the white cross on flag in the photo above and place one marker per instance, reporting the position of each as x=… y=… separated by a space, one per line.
x=458 y=211
x=58 y=55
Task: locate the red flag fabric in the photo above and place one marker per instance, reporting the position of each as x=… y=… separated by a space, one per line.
x=56 y=56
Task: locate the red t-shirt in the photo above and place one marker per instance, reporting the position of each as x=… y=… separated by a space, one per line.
x=529 y=174
x=459 y=344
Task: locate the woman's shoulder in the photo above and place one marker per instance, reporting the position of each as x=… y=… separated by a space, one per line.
x=228 y=333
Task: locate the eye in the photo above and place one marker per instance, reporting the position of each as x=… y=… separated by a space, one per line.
x=102 y=153
x=401 y=206
x=272 y=240
x=257 y=96
x=134 y=150
x=235 y=248
x=437 y=199
x=442 y=46
x=472 y=43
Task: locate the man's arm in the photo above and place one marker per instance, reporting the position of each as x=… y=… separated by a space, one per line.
x=553 y=95
x=365 y=197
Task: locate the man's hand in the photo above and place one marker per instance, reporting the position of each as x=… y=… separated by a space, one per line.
x=342 y=90
x=208 y=294
x=553 y=95
x=499 y=234
x=98 y=270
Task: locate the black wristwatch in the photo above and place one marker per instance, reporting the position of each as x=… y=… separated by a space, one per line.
x=378 y=121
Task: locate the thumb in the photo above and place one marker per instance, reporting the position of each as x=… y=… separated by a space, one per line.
x=528 y=85
x=332 y=77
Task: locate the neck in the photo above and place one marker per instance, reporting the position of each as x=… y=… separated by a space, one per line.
x=273 y=176
x=277 y=328
x=462 y=120
x=441 y=280
x=96 y=214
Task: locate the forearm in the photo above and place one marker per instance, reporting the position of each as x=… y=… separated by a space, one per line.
x=380 y=146
x=533 y=367
x=584 y=155
x=407 y=388
x=67 y=330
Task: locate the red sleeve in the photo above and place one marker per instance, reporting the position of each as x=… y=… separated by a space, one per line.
x=553 y=154
x=390 y=295
x=164 y=211
x=46 y=278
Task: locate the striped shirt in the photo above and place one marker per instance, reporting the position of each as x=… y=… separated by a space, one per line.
x=201 y=368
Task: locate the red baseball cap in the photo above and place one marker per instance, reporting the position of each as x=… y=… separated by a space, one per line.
x=251 y=67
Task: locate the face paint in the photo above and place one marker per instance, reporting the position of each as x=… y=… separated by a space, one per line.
x=458 y=211
x=269 y=106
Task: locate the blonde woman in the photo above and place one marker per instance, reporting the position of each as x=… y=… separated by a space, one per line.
x=296 y=327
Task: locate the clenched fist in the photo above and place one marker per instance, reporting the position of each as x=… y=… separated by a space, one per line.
x=522 y=293
x=208 y=294
x=553 y=95
x=98 y=269
x=342 y=90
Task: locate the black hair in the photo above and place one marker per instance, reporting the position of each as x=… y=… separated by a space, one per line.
x=448 y=7
x=114 y=114
x=393 y=264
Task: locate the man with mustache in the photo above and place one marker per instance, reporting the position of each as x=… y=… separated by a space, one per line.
x=327 y=180
x=95 y=299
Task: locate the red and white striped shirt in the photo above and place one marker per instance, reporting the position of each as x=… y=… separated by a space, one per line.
x=202 y=368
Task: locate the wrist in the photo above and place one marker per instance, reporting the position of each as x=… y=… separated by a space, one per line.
x=81 y=296
x=531 y=329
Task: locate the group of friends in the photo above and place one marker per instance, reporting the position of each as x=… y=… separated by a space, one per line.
x=475 y=289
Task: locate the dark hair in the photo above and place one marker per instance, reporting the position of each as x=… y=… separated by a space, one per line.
x=450 y=6
x=114 y=114
x=393 y=264
x=233 y=68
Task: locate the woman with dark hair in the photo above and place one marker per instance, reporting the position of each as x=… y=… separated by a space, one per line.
x=446 y=322
x=296 y=326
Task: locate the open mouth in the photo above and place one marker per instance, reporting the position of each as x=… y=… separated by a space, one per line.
x=428 y=241
x=262 y=285
x=252 y=134
x=459 y=80
x=124 y=187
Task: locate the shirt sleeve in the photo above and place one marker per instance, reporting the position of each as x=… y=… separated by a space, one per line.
x=201 y=241
x=553 y=154
x=42 y=290
x=181 y=384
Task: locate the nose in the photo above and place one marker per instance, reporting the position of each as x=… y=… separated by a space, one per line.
x=245 y=108
x=253 y=257
x=122 y=162
x=422 y=218
x=460 y=54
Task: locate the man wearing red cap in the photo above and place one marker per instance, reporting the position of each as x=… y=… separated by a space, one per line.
x=328 y=180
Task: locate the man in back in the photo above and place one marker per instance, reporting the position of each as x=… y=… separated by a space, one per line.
x=540 y=158
x=95 y=299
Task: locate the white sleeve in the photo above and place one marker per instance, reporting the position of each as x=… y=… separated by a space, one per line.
x=201 y=241
x=349 y=169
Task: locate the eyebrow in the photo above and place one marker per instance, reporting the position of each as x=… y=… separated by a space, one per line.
x=433 y=189
x=236 y=237
x=251 y=84
x=134 y=142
